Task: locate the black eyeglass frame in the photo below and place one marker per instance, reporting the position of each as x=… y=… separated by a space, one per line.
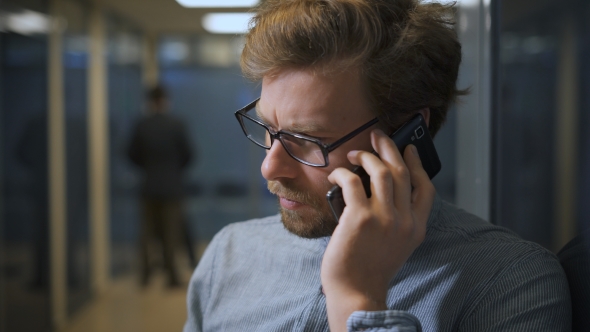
x=325 y=148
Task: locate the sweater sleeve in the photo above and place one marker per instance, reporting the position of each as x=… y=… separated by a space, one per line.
x=200 y=285
x=383 y=321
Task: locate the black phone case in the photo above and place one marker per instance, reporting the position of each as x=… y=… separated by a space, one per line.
x=413 y=132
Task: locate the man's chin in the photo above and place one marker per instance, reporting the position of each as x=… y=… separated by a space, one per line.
x=307 y=225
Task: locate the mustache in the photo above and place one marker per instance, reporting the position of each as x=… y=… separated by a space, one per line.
x=290 y=192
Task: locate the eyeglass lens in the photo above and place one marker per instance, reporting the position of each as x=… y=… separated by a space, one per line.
x=302 y=149
x=299 y=148
x=256 y=132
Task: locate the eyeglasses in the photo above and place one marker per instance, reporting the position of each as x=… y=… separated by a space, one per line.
x=307 y=150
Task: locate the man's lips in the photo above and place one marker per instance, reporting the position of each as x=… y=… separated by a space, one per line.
x=290 y=204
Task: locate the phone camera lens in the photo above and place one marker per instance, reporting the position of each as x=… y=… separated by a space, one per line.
x=419 y=132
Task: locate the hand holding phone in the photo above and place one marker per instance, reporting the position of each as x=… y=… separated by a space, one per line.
x=412 y=132
x=376 y=235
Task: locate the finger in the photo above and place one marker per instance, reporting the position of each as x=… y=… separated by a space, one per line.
x=352 y=187
x=381 y=179
x=423 y=192
x=392 y=158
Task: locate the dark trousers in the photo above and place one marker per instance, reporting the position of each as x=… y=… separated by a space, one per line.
x=162 y=220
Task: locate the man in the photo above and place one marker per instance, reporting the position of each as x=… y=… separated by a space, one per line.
x=160 y=147
x=401 y=260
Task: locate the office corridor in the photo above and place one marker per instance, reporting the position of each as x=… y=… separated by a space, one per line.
x=74 y=77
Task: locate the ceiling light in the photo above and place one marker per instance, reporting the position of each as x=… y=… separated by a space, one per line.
x=217 y=3
x=28 y=22
x=227 y=22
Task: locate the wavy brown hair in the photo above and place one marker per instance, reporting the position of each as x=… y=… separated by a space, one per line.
x=407 y=51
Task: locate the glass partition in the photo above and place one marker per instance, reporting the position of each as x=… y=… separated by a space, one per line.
x=542 y=82
x=24 y=220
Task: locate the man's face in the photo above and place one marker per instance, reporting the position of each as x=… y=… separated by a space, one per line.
x=325 y=107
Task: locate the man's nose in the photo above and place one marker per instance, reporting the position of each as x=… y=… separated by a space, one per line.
x=278 y=163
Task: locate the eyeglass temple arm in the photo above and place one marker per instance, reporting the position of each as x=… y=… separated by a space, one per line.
x=344 y=139
x=249 y=106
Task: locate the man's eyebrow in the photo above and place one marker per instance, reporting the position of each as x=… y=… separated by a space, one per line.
x=296 y=127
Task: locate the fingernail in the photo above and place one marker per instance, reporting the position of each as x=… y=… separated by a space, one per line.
x=414 y=150
x=353 y=153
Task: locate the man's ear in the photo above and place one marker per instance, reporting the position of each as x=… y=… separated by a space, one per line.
x=426 y=114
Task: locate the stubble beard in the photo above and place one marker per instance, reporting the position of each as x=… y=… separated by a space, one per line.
x=315 y=224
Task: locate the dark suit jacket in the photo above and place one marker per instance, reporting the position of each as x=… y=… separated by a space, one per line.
x=160 y=147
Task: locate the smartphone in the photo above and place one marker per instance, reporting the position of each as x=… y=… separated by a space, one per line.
x=413 y=132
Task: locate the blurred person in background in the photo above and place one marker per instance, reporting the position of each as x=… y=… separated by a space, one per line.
x=160 y=147
x=401 y=259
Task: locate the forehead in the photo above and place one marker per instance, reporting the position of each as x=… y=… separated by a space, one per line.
x=305 y=101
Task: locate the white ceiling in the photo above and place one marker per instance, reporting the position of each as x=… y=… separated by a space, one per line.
x=163 y=16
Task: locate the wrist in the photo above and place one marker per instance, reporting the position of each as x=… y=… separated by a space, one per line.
x=356 y=301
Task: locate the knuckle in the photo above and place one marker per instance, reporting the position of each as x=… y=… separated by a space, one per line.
x=364 y=218
x=383 y=174
x=390 y=222
x=390 y=225
x=353 y=180
x=340 y=171
x=401 y=172
x=405 y=228
x=346 y=177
